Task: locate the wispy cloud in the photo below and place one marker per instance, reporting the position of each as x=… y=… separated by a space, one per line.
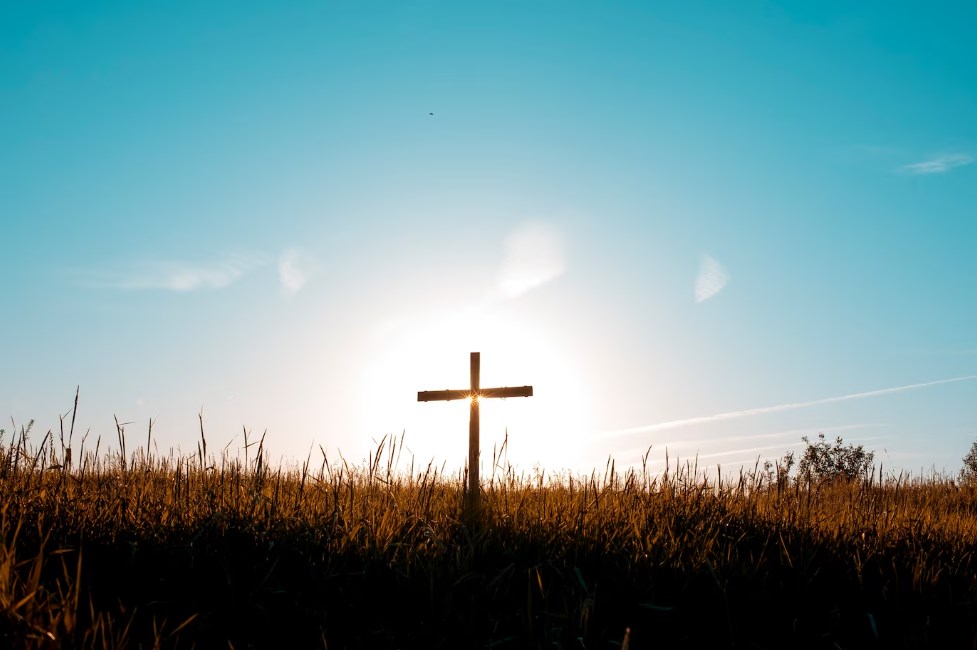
x=295 y=269
x=712 y=279
x=759 y=437
x=750 y=454
x=173 y=275
x=790 y=406
x=783 y=439
x=938 y=164
x=534 y=255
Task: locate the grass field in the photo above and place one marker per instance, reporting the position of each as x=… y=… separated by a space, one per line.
x=129 y=549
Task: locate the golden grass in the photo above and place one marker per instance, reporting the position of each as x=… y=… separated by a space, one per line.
x=128 y=549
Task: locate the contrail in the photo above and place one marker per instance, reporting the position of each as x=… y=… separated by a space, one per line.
x=731 y=415
x=684 y=445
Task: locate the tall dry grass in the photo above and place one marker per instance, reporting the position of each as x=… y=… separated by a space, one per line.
x=125 y=548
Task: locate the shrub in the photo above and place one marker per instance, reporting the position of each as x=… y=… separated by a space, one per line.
x=969 y=471
x=822 y=461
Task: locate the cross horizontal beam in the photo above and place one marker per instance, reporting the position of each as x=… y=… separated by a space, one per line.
x=448 y=395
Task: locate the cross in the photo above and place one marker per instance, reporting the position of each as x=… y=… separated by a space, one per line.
x=474 y=393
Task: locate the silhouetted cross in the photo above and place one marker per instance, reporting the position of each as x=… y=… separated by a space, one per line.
x=474 y=393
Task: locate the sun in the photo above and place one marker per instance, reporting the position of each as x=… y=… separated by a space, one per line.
x=431 y=352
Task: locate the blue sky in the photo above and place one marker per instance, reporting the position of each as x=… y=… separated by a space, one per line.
x=653 y=212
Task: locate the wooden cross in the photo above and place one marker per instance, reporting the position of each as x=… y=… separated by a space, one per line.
x=474 y=393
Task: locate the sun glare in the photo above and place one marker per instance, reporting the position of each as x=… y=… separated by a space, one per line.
x=432 y=353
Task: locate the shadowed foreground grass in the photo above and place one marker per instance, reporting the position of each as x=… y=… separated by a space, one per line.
x=133 y=550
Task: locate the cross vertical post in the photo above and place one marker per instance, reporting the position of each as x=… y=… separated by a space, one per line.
x=473 y=443
x=474 y=394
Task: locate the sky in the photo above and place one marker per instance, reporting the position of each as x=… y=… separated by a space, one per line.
x=700 y=229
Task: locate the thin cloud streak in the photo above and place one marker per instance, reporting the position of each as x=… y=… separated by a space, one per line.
x=682 y=445
x=741 y=461
x=764 y=436
x=752 y=450
x=177 y=276
x=694 y=457
x=938 y=164
x=750 y=453
x=790 y=406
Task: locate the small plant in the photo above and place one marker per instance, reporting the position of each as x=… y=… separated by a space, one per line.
x=822 y=461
